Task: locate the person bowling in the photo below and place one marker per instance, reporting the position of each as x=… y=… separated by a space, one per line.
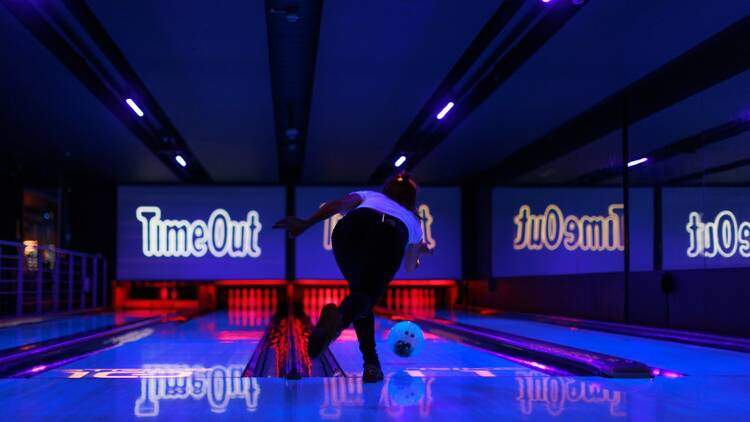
x=378 y=231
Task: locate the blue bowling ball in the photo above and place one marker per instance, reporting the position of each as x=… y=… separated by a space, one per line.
x=406 y=339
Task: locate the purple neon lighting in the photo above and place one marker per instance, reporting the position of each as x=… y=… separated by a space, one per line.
x=638 y=161
x=400 y=161
x=135 y=107
x=180 y=160
x=657 y=372
x=78 y=340
x=445 y=110
x=539 y=365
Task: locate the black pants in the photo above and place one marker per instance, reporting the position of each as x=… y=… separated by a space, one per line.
x=368 y=246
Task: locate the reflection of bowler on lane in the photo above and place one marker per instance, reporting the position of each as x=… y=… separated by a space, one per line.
x=369 y=243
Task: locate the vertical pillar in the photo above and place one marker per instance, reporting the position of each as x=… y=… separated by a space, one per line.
x=56 y=282
x=626 y=214
x=290 y=243
x=19 y=282
x=39 y=279
x=71 y=271
x=105 y=284
x=476 y=236
x=84 y=278
x=95 y=280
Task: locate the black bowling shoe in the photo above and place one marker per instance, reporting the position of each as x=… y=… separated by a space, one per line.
x=325 y=331
x=372 y=373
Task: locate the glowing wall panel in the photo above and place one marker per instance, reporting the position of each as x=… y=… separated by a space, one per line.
x=546 y=231
x=199 y=233
x=705 y=228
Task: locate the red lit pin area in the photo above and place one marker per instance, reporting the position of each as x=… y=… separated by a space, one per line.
x=517 y=210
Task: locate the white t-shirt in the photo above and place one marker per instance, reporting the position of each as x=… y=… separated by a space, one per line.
x=386 y=205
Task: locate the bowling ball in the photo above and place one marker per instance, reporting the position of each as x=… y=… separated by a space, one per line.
x=405 y=339
x=405 y=390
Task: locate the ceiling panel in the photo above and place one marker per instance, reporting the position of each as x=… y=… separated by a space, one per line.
x=608 y=45
x=49 y=121
x=208 y=69
x=378 y=62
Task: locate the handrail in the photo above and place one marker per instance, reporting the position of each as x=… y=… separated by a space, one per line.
x=49 y=247
x=47 y=279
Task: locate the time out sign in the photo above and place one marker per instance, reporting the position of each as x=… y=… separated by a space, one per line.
x=199 y=233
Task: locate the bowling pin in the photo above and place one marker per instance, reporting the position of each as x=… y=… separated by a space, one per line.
x=329 y=298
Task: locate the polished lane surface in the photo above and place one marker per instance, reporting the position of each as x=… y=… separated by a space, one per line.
x=439 y=356
x=191 y=371
x=684 y=358
x=213 y=341
x=195 y=366
x=31 y=333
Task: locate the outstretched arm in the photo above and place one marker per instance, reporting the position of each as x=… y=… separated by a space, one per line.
x=413 y=253
x=296 y=226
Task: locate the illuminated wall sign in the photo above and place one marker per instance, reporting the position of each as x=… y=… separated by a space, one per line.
x=439 y=211
x=539 y=231
x=553 y=229
x=219 y=236
x=199 y=233
x=723 y=236
x=705 y=228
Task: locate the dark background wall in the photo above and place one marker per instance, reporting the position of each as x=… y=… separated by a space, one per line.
x=11 y=207
x=476 y=233
x=715 y=301
x=86 y=212
x=89 y=219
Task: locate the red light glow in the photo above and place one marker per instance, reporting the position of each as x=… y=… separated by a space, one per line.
x=231 y=336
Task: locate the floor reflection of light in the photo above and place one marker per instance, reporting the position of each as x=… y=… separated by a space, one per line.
x=657 y=372
x=217 y=384
x=234 y=336
x=132 y=336
x=399 y=391
x=484 y=372
x=555 y=393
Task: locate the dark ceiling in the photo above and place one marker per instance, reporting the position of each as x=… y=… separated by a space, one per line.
x=323 y=92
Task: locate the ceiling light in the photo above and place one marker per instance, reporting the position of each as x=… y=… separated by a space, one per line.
x=181 y=161
x=135 y=107
x=638 y=161
x=445 y=110
x=401 y=160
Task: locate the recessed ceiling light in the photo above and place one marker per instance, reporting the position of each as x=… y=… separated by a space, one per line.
x=638 y=161
x=445 y=110
x=135 y=107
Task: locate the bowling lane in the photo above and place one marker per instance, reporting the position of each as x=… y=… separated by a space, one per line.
x=685 y=358
x=221 y=339
x=53 y=328
x=439 y=357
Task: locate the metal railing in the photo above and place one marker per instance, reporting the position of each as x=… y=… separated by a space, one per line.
x=36 y=279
